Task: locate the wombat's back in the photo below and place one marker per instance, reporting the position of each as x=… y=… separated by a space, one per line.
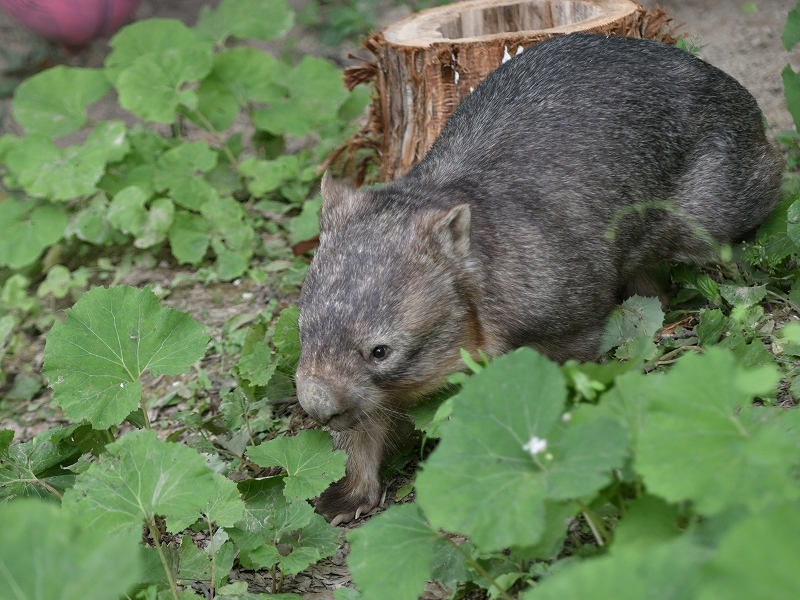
x=580 y=126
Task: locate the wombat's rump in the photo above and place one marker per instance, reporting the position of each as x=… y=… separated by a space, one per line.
x=551 y=192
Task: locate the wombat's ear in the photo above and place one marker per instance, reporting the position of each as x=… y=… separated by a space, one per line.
x=451 y=230
x=338 y=202
x=333 y=193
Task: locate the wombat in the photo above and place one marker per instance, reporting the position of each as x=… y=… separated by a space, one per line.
x=552 y=191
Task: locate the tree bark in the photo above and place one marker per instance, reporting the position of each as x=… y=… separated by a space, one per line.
x=426 y=64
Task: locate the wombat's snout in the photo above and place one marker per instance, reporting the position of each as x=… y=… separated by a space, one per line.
x=316 y=399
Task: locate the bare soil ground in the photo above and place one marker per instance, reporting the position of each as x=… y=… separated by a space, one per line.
x=744 y=43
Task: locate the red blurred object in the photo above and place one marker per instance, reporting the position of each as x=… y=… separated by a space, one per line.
x=71 y=22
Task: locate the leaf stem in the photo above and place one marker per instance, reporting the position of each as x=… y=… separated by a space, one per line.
x=213 y=559
x=218 y=138
x=144 y=413
x=479 y=568
x=49 y=488
x=599 y=530
x=151 y=525
x=782 y=298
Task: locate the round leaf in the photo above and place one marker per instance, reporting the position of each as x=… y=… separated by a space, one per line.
x=27 y=229
x=151 y=87
x=54 y=102
x=138 y=478
x=45 y=554
x=390 y=557
x=151 y=36
x=243 y=19
x=309 y=459
x=110 y=337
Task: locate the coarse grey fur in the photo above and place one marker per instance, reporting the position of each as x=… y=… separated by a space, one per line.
x=552 y=191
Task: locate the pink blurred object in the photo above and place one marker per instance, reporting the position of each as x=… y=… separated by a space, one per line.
x=71 y=22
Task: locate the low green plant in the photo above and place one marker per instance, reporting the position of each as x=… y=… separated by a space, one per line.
x=197 y=190
x=113 y=483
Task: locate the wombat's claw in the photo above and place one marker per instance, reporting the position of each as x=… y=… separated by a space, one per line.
x=363 y=510
x=342 y=510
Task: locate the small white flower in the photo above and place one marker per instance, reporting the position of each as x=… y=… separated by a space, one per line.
x=122 y=385
x=535 y=446
x=247 y=296
x=237 y=282
x=566 y=418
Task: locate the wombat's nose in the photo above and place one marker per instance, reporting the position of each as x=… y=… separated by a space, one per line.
x=316 y=400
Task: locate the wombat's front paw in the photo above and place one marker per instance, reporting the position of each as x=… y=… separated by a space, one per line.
x=341 y=504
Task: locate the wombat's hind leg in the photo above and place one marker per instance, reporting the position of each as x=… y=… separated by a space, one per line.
x=648 y=283
x=360 y=491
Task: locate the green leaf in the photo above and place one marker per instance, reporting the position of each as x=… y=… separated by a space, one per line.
x=305 y=225
x=791 y=33
x=189 y=237
x=636 y=317
x=749 y=354
x=268 y=515
x=487 y=457
x=153 y=36
x=90 y=224
x=246 y=19
x=180 y=171
x=54 y=102
x=6 y=435
x=14 y=295
x=226 y=507
x=138 y=478
x=315 y=95
x=195 y=564
x=45 y=554
x=287 y=337
x=711 y=327
x=791 y=89
x=36 y=467
x=62 y=174
x=772 y=234
x=319 y=534
x=239 y=76
x=27 y=228
x=666 y=572
x=299 y=559
x=740 y=295
x=266 y=175
x=57 y=282
x=309 y=459
x=152 y=87
x=258 y=364
x=747 y=453
x=127 y=212
x=232 y=236
x=158 y=224
x=757 y=559
x=110 y=337
x=648 y=521
x=390 y=557
x=629 y=400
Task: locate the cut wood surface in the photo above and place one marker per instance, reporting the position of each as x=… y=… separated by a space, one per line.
x=426 y=64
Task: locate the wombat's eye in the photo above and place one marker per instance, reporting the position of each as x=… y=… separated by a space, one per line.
x=380 y=352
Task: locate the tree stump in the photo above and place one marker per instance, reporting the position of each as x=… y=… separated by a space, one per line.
x=426 y=64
